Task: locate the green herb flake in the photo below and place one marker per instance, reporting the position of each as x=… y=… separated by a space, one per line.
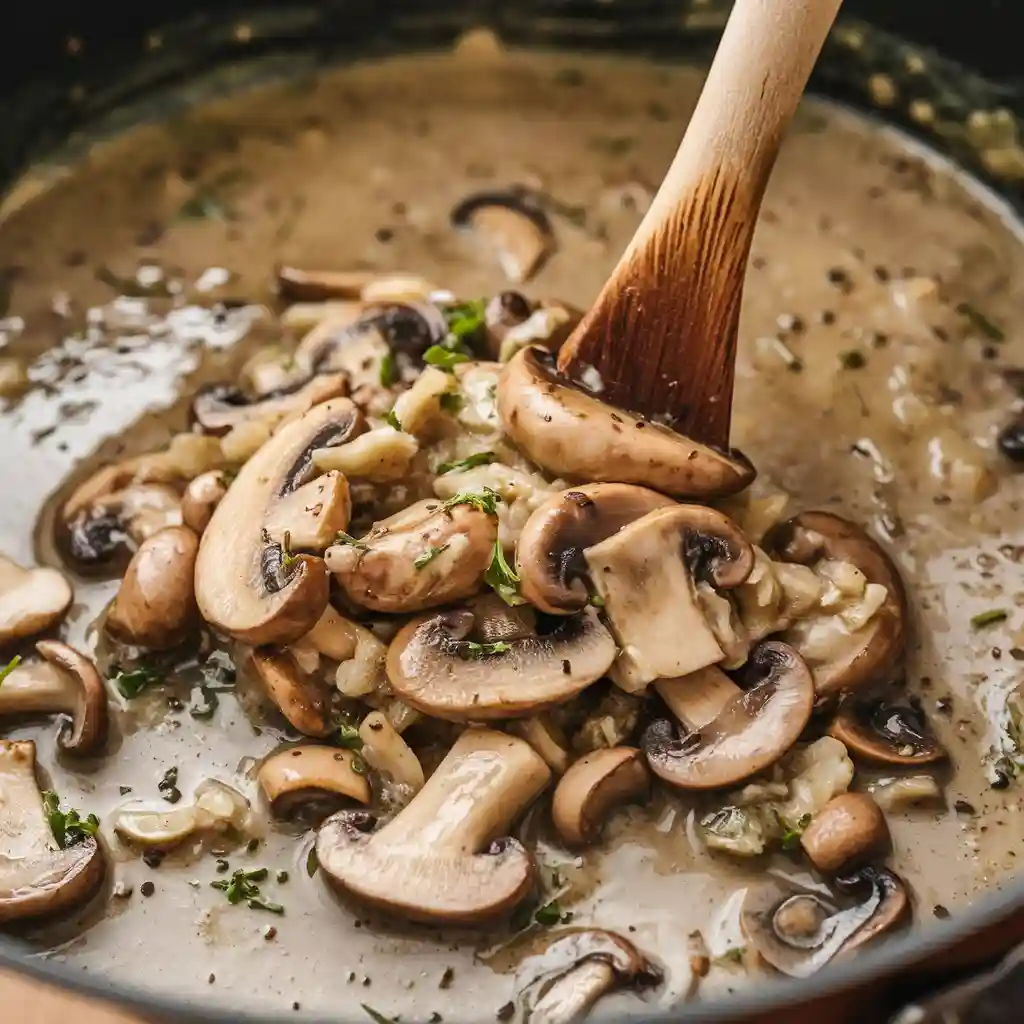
x=549 y=914
x=469 y=462
x=348 y=736
x=68 y=827
x=502 y=578
x=312 y=862
x=444 y=358
x=989 y=618
x=243 y=886
x=287 y=558
x=359 y=765
x=466 y=319
x=429 y=555
x=469 y=650
x=131 y=683
x=597 y=600
x=9 y=668
x=451 y=403
x=259 y=903
x=388 y=371
x=980 y=322
x=485 y=501
x=392 y=420
x=791 y=833
x=733 y=955
x=346 y=538
x=376 y=1015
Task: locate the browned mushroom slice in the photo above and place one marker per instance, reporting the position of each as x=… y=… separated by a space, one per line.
x=312 y=780
x=731 y=732
x=312 y=516
x=64 y=682
x=435 y=665
x=201 y=497
x=847 y=833
x=219 y=407
x=874 y=652
x=648 y=576
x=552 y=571
x=798 y=932
x=155 y=606
x=596 y=784
x=37 y=877
x=562 y=984
x=31 y=600
x=548 y=327
x=302 y=701
x=440 y=860
x=300 y=285
x=248 y=585
x=572 y=433
x=886 y=733
x=513 y=224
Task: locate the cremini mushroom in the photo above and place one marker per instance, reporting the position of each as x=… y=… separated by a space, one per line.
x=797 y=932
x=854 y=658
x=63 y=682
x=215 y=808
x=514 y=226
x=312 y=780
x=247 y=584
x=597 y=783
x=155 y=606
x=548 y=326
x=219 y=407
x=31 y=600
x=37 y=877
x=385 y=751
x=847 y=833
x=885 y=732
x=201 y=497
x=436 y=665
x=424 y=556
x=731 y=732
x=647 y=576
x=440 y=860
x=572 y=433
x=552 y=571
x=301 y=700
x=562 y=984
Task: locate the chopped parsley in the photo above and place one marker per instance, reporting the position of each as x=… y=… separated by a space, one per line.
x=9 y=668
x=980 y=322
x=130 y=684
x=287 y=558
x=243 y=886
x=451 y=402
x=346 y=538
x=444 y=358
x=376 y=1015
x=465 y=319
x=791 y=833
x=502 y=578
x=733 y=955
x=68 y=827
x=348 y=736
x=549 y=914
x=388 y=371
x=989 y=618
x=469 y=650
x=485 y=501
x=392 y=420
x=469 y=462
x=312 y=862
x=359 y=765
x=429 y=555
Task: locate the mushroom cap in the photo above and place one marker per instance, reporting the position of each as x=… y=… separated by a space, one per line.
x=302 y=701
x=811 y=536
x=300 y=776
x=432 y=665
x=592 y=787
x=572 y=433
x=37 y=878
x=752 y=732
x=549 y=554
x=215 y=807
x=438 y=860
x=155 y=606
x=846 y=833
x=245 y=585
x=884 y=733
x=31 y=600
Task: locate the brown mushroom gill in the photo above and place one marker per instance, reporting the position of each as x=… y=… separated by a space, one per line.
x=884 y=732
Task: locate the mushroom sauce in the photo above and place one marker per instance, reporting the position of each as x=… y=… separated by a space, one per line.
x=375 y=253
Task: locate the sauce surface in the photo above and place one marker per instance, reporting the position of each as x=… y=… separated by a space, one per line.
x=878 y=328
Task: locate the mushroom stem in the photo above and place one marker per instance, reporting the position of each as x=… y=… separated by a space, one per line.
x=699 y=698
x=574 y=994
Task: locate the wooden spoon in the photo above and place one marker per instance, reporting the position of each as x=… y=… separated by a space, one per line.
x=662 y=334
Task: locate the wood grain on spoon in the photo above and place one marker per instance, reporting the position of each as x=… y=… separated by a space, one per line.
x=662 y=334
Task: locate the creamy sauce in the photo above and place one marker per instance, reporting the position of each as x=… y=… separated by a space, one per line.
x=839 y=326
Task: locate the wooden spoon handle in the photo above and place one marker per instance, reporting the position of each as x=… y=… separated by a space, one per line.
x=675 y=294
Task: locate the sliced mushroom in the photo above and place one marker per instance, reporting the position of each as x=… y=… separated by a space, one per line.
x=798 y=932
x=333 y=636
x=503 y=312
x=31 y=600
x=155 y=606
x=219 y=407
x=201 y=497
x=886 y=733
x=247 y=585
x=311 y=517
x=546 y=738
x=37 y=877
x=298 y=285
x=440 y=859
x=548 y=326
x=385 y=751
x=647 y=575
x=301 y=700
x=847 y=833
x=513 y=224
x=873 y=653
x=549 y=556
x=579 y=967
x=435 y=665
x=64 y=682
x=216 y=807
x=312 y=780
x=424 y=556
x=588 y=792
x=731 y=732
x=572 y=433
x=379 y=455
